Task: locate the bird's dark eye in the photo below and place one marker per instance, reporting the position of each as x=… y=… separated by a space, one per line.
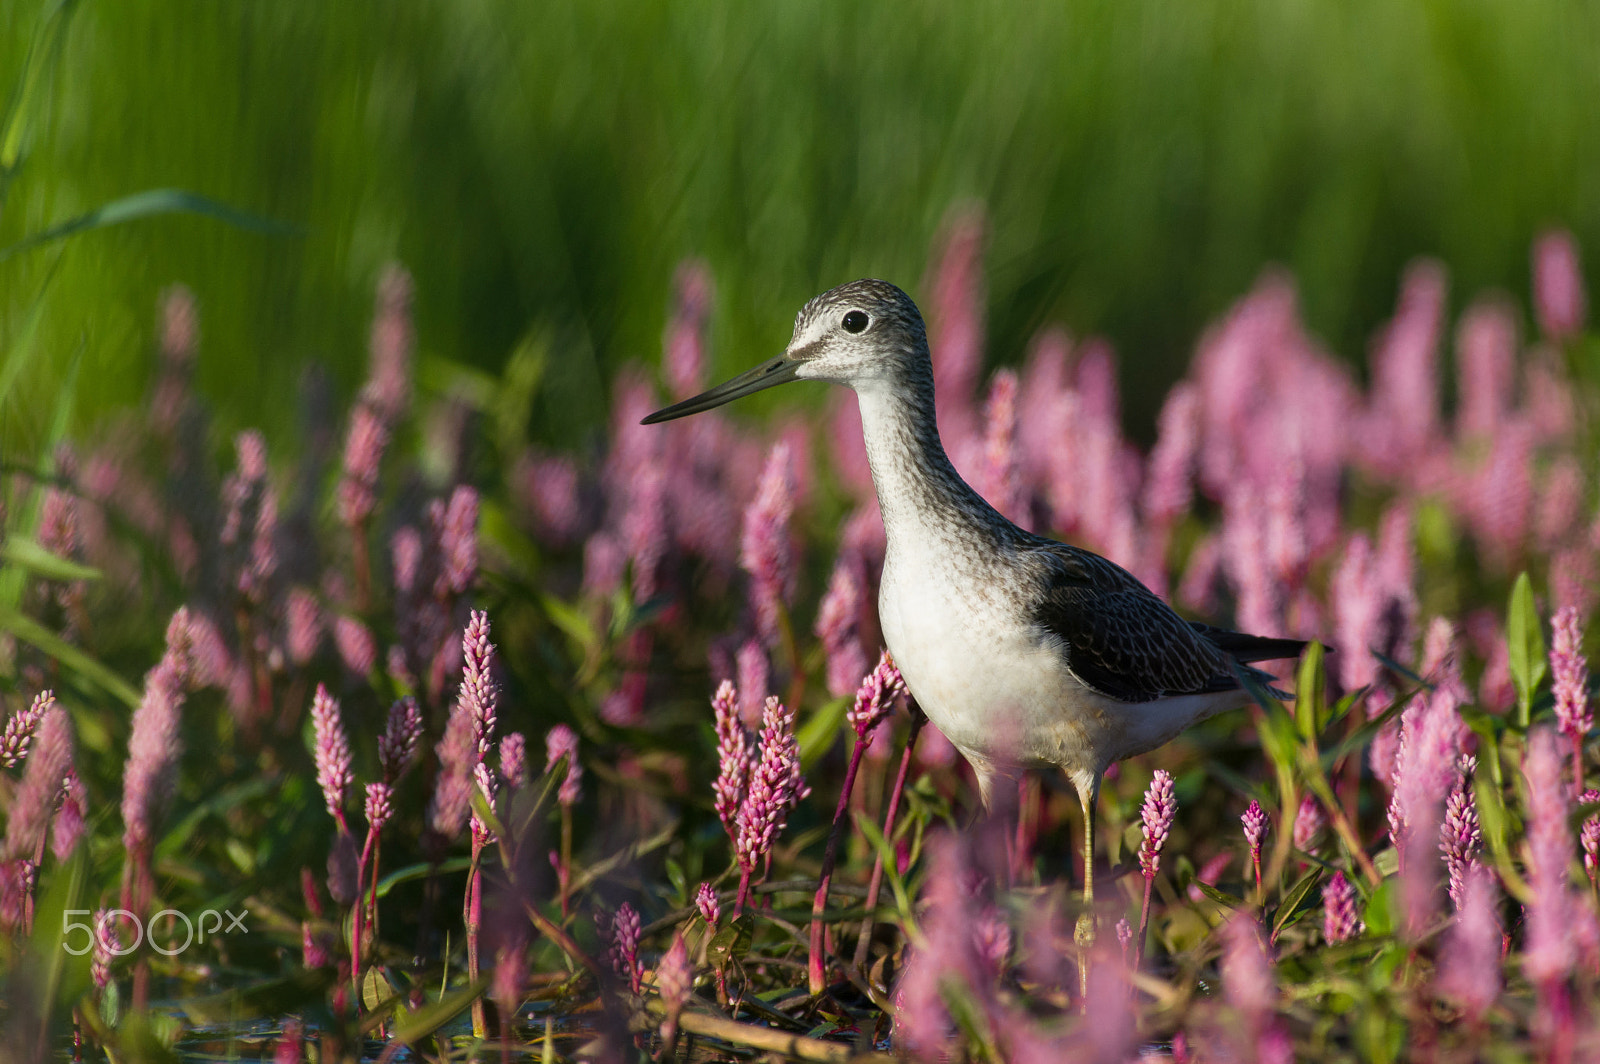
x=855 y=321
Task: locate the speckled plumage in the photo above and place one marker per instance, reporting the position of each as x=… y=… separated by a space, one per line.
x=1027 y=653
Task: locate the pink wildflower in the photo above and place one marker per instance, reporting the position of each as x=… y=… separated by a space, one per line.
x=774 y=789
x=956 y=333
x=388 y=387
x=304 y=624
x=153 y=743
x=1552 y=914
x=1159 y=809
x=107 y=947
x=1589 y=836
x=397 y=746
x=1255 y=829
x=882 y=688
x=838 y=627
x=459 y=540
x=1340 y=919
x=67 y=829
x=1169 y=491
x=1356 y=607
x=1569 y=674
x=1460 y=838
x=1000 y=482
x=458 y=755
x=705 y=899
x=684 y=354
x=1247 y=981
x=479 y=696
x=561 y=741
x=363 y=454
x=625 y=946
x=379 y=806
x=513 y=760
x=765 y=551
x=735 y=756
x=332 y=752
x=1468 y=972
x=1405 y=376
x=675 y=978
x=357 y=649
x=18 y=734
x=755 y=680
x=1486 y=355
x=42 y=775
x=1309 y=823
x=1558 y=292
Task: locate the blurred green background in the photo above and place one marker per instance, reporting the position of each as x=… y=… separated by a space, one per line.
x=542 y=167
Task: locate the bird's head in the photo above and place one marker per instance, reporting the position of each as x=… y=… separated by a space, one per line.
x=862 y=333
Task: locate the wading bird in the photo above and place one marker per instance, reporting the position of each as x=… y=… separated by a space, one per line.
x=1027 y=653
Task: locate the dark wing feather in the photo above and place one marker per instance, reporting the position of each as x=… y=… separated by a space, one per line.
x=1244 y=647
x=1120 y=639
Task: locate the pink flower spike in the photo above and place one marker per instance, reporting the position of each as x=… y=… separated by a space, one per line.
x=562 y=741
x=459 y=540
x=479 y=697
x=397 y=746
x=675 y=976
x=513 y=760
x=42 y=775
x=1309 y=823
x=304 y=624
x=736 y=758
x=154 y=744
x=1255 y=829
x=705 y=899
x=363 y=454
x=20 y=727
x=1558 y=294
x=838 y=626
x=379 y=805
x=1552 y=913
x=881 y=690
x=1160 y=807
x=685 y=343
x=1569 y=674
x=1340 y=919
x=1468 y=972
x=66 y=830
x=332 y=752
x=357 y=649
x=1589 y=836
x=1169 y=491
x=1460 y=838
x=458 y=755
x=765 y=550
x=625 y=946
x=775 y=787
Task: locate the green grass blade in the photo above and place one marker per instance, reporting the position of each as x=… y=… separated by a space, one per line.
x=31 y=631
x=152 y=202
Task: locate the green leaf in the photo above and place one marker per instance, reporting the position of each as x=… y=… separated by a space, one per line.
x=275 y=997
x=1310 y=693
x=885 y=851
x=29 y=630
x=817 y=734
x=1525 y=641
x=1291 y=901
x=431 y=1017
x=1216 y=894
x=421 y=870
x=26 y=554
x=152 y=202
x=1380 y=911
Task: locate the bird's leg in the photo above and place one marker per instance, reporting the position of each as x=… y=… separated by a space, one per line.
x=1084 y=933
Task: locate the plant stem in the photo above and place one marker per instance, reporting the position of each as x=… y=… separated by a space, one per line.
x=1144 y=924
x=864 y=940
x=817 y=967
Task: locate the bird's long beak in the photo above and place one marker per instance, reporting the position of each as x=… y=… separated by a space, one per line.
x=777 y=371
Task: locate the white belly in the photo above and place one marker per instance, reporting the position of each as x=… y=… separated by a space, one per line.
x=1000 y=693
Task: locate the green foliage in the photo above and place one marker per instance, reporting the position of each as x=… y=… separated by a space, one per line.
x=543 y=168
